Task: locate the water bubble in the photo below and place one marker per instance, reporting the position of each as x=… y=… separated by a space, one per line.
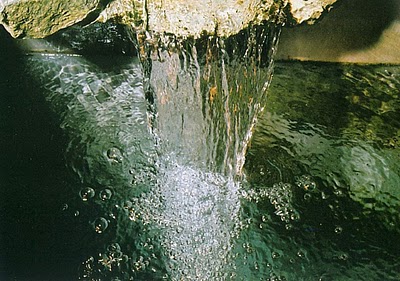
x=301 y=254
x=256 y=266
x=86 y=193
x=105 y=194
x=127 y=205
x=112 y=216
x=288 y=226
x=275 y=255
x=115 y=155
x=310 y=186
x=338 y=230
x=76 y=213
x=100 y=225
x=294 y=216
x=307 y=197
x=114 y=247
x=114 y=251
x=64 y=207
x=338 y=192
x=87 y=268
x=306 y=183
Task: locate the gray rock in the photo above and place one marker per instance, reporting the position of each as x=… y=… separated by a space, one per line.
x=39 y=19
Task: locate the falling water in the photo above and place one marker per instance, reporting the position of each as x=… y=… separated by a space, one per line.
x=205 y=96
x=208 y=94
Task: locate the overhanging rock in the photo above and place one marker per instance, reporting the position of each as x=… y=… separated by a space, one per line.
x=184 y=18
x=40 y=18
x=308 y=11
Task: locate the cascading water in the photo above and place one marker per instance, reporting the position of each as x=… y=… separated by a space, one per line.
x=208 y=94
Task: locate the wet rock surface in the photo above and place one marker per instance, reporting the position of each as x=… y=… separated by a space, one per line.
x=39 y=19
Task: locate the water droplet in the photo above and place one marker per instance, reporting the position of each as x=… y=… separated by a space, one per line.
x=100 y=225
x=115 y=155
x=338 y=230
x=105 y=194
x=86 y=193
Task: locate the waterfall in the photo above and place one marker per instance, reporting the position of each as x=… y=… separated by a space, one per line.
x=206 y=95
x=204 y=98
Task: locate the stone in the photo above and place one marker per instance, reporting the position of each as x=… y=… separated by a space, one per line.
x=308 y=11
x=194 y=18
x=38 y=19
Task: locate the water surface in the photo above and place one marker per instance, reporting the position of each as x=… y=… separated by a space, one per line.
x=319 y=201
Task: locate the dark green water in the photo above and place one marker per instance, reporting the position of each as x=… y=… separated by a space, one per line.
x=330 y=132
x=321 y=200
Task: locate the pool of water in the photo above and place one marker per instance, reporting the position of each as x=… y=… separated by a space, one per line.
x=326 y=153
x=320 y=200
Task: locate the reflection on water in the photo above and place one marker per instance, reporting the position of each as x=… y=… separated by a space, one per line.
x=330 y=132
x=320 y=200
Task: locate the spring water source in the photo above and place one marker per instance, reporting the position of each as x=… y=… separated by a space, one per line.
x=124 y=170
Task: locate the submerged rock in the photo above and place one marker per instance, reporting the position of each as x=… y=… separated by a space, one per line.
x=39 y=19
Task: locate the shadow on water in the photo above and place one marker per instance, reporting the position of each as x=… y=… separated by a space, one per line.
x=37 y=242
